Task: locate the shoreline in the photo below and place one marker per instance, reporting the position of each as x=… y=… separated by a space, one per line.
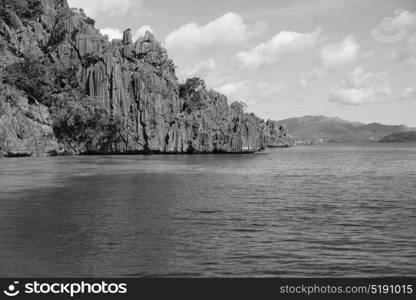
x=136 y=153
x=156 y=152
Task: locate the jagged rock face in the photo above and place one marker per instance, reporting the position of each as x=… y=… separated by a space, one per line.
x=137 y=82
x=218 y=128
x=24 y=127
x=277 y=134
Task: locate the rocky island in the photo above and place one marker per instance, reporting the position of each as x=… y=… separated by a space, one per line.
x=66 y=89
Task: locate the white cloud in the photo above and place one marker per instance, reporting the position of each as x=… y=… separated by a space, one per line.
x=112 y=33
x=284 y=42
x=296 y=9
x=96 y=8
x=392 y=30
x=361 y=88
x=303 y=83
x=313 y=74
x=230 y=89
x=142 y=31
x=333 y=56
x=227 y=29
x=201 y=69
x=405 y=19
x=117 y=34
x=406 y=54
x=338 y=54
x=369 y=54
x=408 y=94
x=251 y=91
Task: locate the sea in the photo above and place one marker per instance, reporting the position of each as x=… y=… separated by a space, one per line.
x=329 y=210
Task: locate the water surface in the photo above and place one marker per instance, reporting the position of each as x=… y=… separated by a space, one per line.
x=330 y=210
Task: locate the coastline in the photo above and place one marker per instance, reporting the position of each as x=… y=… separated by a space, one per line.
x=173 y=153
x=136 y=153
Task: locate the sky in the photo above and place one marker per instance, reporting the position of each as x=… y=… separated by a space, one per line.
x=351 y=59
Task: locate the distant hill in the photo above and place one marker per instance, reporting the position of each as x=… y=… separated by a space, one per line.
x=400 y=137
x=338 y=130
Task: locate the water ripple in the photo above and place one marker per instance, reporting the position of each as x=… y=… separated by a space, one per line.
x=332 y=210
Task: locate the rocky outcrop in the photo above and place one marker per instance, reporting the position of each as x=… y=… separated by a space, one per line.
x=277 y=134
x=24 y=127
x=136 y=83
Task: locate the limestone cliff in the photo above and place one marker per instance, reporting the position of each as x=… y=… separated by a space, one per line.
x=105 y=97
x=277 y=134
x=23 y=126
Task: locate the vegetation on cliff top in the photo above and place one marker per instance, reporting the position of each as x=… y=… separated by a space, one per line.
x=111 y=97
x=24 y=9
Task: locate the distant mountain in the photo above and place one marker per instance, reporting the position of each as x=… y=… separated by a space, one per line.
x=338 y=130
x=400 y=137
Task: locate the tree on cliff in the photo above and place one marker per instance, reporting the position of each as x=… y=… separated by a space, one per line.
x=192 y=85
x=68 y=57
x=239 y=107
x=84 y=121
x=31 y=76
x=42 y=81
x=27 y=9
x=191 y=92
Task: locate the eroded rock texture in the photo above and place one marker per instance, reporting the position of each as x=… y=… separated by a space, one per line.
x=134 y=80
x=24 y=127
x=277 y=134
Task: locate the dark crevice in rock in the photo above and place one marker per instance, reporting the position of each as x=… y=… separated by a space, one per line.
x=122 y=96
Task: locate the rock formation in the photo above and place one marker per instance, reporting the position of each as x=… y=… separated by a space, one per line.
x=24 y=127
x=277 y=134
x=145 y=108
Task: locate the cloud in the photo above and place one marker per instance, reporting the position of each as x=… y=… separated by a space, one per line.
x=300 y=9
x=405 y=19
x=338 y=54
x=227 y=29
x=361 y=88
x=252 y=92
x=392 y=30
x=231 y=89
x=303 y=83
x=142 y=31
x=117 y=34
x=96 y=8
x=406 y=55
x=308 y=77
x=112 y=33
x=333 y=56
x=285 y=42
x=368 y=54
x=408 y=94
x=202 y=69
